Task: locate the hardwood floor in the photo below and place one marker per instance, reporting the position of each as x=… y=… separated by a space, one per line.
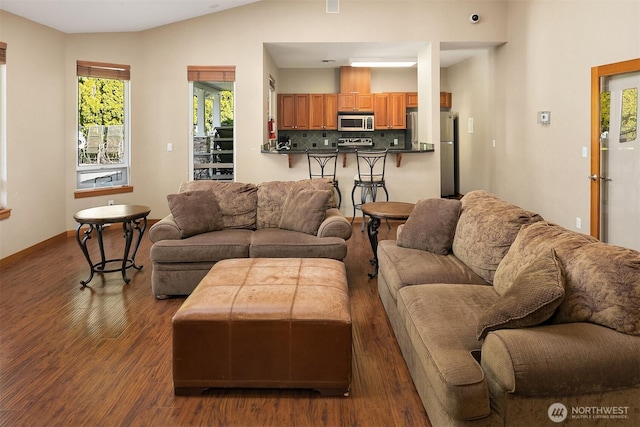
x=101 y=355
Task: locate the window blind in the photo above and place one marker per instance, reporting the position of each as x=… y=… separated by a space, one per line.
x=3 y=53
x=203 y=73
x=103 y=70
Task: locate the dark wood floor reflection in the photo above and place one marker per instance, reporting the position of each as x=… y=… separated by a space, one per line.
x=101 y=355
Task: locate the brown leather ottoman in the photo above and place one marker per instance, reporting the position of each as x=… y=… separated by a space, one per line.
x=268 y=323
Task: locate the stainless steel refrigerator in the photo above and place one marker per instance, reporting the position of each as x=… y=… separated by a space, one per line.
x=448 y=154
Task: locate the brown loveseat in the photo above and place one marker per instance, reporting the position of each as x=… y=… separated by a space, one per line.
x=211 y=221
x=505 y=319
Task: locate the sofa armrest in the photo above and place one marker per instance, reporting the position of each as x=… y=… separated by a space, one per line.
x=335 y=225
x=165 y=229
x=561 y=360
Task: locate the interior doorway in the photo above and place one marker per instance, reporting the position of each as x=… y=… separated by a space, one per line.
x=615 y=154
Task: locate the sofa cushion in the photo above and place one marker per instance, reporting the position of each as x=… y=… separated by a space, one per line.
x=405 y=267
x=238 y=201
x=603 y=287
x=277 y=243
x=195 y=212
x=206 y=247
x=440 y=319
x=431 y=226
x=533 y=297
x=486 y=229
x=304 y=209
x=532 y=241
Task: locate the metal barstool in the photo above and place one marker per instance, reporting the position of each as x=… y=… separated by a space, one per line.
x=324 y=166
x=370 y=177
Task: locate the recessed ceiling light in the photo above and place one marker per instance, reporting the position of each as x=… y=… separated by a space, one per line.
x=214 y=6
x=328 y=60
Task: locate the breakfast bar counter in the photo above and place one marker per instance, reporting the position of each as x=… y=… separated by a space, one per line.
x=428 y=148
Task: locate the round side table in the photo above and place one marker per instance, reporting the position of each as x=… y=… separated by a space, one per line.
x=378 y=211
x=131 y=217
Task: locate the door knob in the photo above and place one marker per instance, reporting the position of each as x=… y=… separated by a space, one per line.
x=593 y=177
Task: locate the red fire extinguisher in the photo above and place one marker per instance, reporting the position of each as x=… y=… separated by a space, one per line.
x=272 y=129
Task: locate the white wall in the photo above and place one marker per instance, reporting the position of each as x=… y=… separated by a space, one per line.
x=539 y=168
x=36 y=157
x=547 y=66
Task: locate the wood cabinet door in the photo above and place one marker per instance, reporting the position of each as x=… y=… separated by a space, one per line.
x=397 y=111
x=331 y=111
x=293 y=111
x=445 y=99
x=286 y=112
x=381 y=110
x=316 y=111
x=364 y=101
x=355 y=80
x=412 y=99
x=346 y=102
x=302 y=111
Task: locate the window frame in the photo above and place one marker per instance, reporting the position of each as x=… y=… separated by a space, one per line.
x=5 y=212
x=122 y=171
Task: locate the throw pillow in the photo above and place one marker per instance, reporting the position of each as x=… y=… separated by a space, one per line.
x=238 y=201
x=304 y=209
x=431 y=226
x=603 y=287
x=532 y=240
x=486 y=229
x=195 y=212
x=533 y=298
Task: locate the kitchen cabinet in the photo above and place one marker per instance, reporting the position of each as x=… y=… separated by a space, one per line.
x=390 y=110
x=293 y=111
x=445 y=99
x=412 y=99
x=323 y=111
x=355 y=80
x=351 y=102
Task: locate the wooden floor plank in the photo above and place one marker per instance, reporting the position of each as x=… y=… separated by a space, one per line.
x=101 y=355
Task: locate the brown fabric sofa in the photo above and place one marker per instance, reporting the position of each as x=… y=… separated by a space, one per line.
x=521 y=322
x=222 y=220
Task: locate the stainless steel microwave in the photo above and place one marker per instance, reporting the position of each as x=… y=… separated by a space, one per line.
x=355 y=122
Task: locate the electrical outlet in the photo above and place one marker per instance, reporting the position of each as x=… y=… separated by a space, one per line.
x=578 y=223
x=395 y=141
x=326 y=142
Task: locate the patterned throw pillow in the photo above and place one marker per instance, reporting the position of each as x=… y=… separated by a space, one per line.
x=431 y=226
x=195 y=212
x=304 y=209
x=603 y=287
x=533 y=298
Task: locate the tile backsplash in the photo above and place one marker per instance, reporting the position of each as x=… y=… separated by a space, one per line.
x=314 y=139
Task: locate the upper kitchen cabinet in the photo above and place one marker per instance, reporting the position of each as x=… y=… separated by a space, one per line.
x=412 y=100
x=352 y=102
x=445 y=99
x=293 y=111
x=355 y=80
x=323 y=111
x=390 y=110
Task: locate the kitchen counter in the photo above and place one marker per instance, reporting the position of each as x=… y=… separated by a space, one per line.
x=351 y=150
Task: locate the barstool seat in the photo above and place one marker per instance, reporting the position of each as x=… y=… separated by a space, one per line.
x=370 y=177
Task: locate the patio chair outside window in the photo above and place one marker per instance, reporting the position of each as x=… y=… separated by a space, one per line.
x=114 y=147
x=94 y=150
